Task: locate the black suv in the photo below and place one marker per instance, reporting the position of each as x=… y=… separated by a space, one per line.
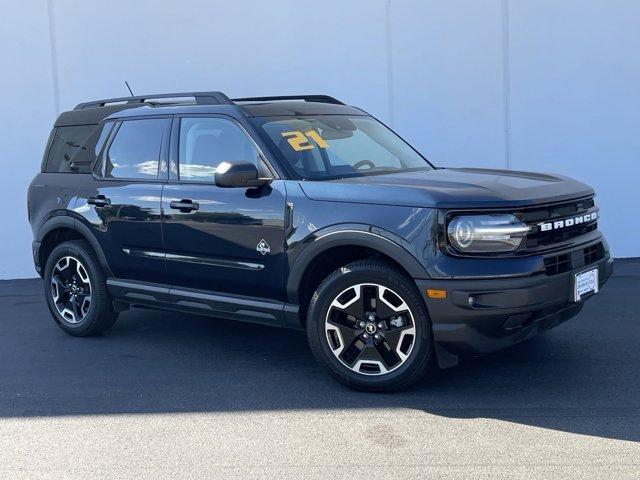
x=303 y=212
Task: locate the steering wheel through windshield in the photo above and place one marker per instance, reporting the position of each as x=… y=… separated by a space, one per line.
x=364 y=163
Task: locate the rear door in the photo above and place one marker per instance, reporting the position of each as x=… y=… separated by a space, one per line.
x=120 y=202
x=227 y=240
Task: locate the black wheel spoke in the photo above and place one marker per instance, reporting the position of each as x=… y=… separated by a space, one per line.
x=387 y=353
x=76 y=310
x=347 y=334
x=370 y=298
x=353 y=309
x=390 y=305
x=351 y=354
x=392 y=337
x=342 y=318
x=384 y=312
x=60 y=288
x=66 y=273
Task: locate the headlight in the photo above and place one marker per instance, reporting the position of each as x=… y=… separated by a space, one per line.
x=486 y=233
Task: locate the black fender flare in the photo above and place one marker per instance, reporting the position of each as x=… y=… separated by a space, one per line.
x=351 y=235
x=70 y=222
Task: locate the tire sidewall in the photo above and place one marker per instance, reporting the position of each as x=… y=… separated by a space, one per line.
x=343 y=279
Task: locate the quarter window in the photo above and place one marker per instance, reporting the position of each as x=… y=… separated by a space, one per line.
x=207 y=142
x=70 y=148
x=135 y=150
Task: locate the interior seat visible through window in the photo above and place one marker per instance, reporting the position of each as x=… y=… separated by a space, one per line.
x=207 y=142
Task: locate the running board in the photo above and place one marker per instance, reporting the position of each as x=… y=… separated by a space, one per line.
x=203 y=302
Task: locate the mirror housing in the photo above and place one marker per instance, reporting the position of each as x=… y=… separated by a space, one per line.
x=238 y=175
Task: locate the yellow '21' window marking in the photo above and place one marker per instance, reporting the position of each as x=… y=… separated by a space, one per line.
x=315 y=136
x=300 y=141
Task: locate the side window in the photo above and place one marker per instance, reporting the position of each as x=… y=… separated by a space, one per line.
x=205 y=142
x=70 y=145
x=134 y=153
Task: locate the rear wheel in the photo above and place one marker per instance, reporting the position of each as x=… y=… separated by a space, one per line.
x=368 y=326
x=76 y=290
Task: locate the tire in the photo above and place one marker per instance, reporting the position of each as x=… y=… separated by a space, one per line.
x=74 y=272
x=351 y=351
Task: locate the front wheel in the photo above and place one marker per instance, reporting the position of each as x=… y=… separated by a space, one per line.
x=368 y=326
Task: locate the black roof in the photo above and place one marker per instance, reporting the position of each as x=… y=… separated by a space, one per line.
x=89 y=116
x=290 y=107
x=94 y=112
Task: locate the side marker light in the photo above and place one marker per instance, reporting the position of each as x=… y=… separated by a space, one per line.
x=436 y=294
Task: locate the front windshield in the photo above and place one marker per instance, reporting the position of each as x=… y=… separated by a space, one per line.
x=321 y=147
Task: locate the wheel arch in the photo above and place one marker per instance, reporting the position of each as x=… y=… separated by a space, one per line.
x=334 y=246
x=60 y=229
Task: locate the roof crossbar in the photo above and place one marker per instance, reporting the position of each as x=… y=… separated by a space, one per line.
x=306 y=98
x=201 y=98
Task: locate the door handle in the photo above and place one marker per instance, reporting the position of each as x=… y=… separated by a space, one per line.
x=184 y=205
x=99 y=201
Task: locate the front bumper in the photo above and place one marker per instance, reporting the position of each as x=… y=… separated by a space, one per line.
x=504 y=311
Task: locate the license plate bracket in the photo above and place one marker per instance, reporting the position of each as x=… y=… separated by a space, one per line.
x=585 y=283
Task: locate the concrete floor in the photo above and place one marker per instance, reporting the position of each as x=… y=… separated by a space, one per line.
x=170 y=395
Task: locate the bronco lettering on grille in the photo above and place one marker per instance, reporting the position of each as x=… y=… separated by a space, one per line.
x=568 y=222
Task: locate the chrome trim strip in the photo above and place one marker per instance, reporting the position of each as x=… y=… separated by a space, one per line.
x=134 y=252
x=198 y=259
x=215 y=262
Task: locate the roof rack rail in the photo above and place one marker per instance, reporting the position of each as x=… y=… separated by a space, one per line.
x=306 y=98
x=201 y=98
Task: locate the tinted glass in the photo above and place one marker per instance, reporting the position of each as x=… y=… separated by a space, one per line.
x=334 y=146
x=206 y=142
x=135 y=150
x=72 y=145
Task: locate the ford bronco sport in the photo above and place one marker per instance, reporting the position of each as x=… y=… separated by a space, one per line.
x=304 y=212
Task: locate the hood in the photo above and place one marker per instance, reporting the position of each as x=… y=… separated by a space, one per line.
x=450 y=188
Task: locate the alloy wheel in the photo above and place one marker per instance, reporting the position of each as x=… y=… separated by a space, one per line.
x=71 y=289
x=370 y=329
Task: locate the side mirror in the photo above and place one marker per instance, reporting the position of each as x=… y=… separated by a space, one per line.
x=238 y=175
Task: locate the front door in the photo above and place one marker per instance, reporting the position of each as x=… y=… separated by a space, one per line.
x=227 y=240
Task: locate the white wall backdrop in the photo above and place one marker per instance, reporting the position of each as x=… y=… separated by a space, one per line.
x=537 y=85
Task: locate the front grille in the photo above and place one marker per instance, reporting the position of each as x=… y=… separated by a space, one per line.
x=558 y=264
x=537 y=216
x=552 y=227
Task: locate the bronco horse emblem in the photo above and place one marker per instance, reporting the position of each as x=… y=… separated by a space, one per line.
x=263 y=247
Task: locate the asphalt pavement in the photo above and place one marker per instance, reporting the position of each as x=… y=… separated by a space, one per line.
x=166 y=395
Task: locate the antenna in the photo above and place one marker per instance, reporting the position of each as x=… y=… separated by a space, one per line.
x=130 y=91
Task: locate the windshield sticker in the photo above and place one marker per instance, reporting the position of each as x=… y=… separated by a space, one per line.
x=301 y=141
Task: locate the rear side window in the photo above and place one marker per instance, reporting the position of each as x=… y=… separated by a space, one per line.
x=134 y=152
x=73 y=149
